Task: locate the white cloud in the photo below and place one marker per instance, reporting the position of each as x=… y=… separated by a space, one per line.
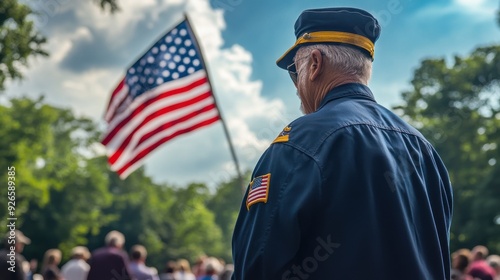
x=475 y=10
x=203 y=155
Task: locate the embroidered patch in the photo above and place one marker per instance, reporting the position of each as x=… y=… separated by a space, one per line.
x=259 y=190
x=283 y=136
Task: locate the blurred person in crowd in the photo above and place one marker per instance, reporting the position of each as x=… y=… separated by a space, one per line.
x=110 y=262
x=494 y=262
x=33 y=266
x=459 y=263
x=198 y=266
x=479 y=268
x=50 y=269
x=170 y=271
x=138 y=266
x=184 y=272
x=212 y=269
x=227 y=272
x=77 y=268
x=12 y=262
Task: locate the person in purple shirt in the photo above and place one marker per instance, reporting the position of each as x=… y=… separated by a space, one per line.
x=138 y=266
x=110 y=262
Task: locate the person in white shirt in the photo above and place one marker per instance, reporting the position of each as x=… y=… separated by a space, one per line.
x=77 y=268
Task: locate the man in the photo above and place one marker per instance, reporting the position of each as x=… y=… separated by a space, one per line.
x=349 y=183
x=77 y=268
x=138 y=266
x=110 y=262
x=12 y=263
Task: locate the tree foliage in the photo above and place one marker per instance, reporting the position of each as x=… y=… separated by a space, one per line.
x=67 y=196
x=19 y=39
x=456 y=106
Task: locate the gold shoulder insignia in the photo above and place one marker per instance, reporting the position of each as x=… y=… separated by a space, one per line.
x=283 y=136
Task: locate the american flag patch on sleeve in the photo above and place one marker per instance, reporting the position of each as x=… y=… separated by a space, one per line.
x=259 y=190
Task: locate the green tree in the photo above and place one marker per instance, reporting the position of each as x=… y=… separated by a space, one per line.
x=18 y=39
x=141 y=211
x=225 y=204
x=59 y=190
x=456 y=106
x=196 y=232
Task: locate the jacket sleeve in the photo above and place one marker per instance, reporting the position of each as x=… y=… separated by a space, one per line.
x=267 y=236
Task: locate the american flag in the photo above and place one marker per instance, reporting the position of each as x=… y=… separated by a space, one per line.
x=164 y=94
x=259 y=189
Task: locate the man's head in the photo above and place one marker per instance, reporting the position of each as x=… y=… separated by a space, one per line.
x=334 y=46
x=479 y=253
x=80 y=252
x=19 y=238
x=114 y=239
x=138 y=253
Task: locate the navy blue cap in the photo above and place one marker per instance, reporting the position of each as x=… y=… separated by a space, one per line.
x=351 y=26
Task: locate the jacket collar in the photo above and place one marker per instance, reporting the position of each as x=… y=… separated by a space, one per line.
x=348 y=90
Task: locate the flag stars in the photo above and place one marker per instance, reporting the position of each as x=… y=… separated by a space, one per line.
x=171 y=58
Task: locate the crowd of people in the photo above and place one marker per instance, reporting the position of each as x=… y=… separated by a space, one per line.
x=475 y=264
x=112 y=262
x=108 y=262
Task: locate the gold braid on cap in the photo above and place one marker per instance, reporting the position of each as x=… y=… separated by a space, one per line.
x=334 y=37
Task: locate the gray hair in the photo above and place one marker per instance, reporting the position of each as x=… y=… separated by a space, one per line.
x=345 y=59
x=114 y=238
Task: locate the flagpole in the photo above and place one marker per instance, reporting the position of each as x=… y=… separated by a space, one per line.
x=226 y=131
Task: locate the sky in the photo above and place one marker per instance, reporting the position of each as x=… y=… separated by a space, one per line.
x=90 y=50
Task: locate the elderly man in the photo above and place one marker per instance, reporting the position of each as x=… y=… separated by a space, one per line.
x=110 y=262
x=348 y=191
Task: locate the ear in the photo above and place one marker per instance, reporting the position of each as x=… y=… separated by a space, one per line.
x=316 y=66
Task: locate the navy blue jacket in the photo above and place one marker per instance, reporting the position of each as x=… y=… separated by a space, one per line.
x=350 y=191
